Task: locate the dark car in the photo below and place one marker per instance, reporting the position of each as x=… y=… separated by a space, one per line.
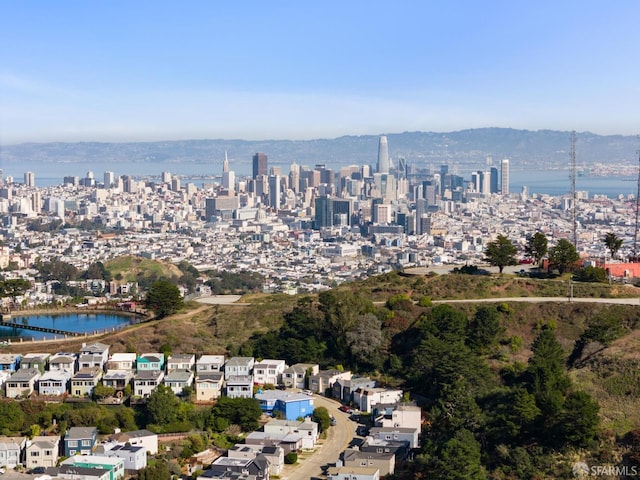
x=281 y=387
x=37 y=470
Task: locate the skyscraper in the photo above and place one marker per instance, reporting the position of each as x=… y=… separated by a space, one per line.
x=108 y=179
x=259 y=164
x=30 y=179
x=383 y=155
x=504 y=177
x=274 y=191
x=225 y=164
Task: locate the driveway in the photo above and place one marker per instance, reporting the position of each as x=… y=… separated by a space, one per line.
x=328 y=451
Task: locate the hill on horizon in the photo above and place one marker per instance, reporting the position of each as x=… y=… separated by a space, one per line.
x=464 y=148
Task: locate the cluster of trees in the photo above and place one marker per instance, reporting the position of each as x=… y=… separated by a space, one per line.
x=163 y=412
x=341 y=328
x=562 y=256
x=238 y=283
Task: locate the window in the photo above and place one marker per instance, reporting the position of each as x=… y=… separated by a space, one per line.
x=73 y=443
x=48 y=453
x=35 y=454
x=86 y=443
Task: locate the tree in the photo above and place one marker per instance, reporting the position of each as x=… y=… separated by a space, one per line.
x=537 y=247
x=501 y=252
x=563 y=255
x=13 y=288
x=613 y=243
x=162 y=406
x=244 y=412
x=365 y=340
x=459 y=458
x=164 y=298
x=579 y=424
x=321 y=417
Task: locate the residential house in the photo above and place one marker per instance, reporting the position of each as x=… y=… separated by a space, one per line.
x=409 y=435
x=85 y=380
x=289 y=405
x=63 y=362
x=71 y=472
x=209 y=386
x=12 y=451
x=374 y=445
x=275 y=455
x=54 y=383
x=307 y=429
x=183 y=361
x=22 y=383
x=353 y=473
x=238 y=366
x=366 y=398
x=10 y=361
x=290 y=442
x=343 y=388
x=42 y=451
x=268 y=372
x=210 y=363
x=325 y=379
x=139 y=438
x=146 y=381
x=257 y=467
x=93 y=355
x=178 y=380
x=114 y=465
x=384 y=462
x=240 y=386
x=135 y=458
x=122 y=361
x=118 y=379
x=407 y=415
x=80 y=440
x=35 y=360
x=295 y=376
x=150 y=362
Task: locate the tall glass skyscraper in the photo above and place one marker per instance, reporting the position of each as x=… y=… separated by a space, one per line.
x=259 y=165
x=504 y=177
x=383 y=155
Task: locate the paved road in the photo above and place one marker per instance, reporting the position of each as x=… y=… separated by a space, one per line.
x=618 y=301
x=337 y=440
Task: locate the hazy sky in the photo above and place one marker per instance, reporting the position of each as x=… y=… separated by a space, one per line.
x=145 y=70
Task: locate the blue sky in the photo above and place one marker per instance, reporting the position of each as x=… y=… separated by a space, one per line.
x=149 y=70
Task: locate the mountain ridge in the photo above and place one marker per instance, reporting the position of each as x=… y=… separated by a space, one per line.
x=469 y=147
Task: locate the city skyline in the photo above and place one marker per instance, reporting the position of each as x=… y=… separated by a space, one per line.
x=151 y=71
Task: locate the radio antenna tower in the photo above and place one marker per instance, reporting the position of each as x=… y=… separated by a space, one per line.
x=573 y=189
x=635 y=234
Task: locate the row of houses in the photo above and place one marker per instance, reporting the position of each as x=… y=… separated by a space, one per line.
x=123 y=451
x=209 y=376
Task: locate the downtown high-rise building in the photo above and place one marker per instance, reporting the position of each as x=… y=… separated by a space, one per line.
x=383 y=155
x=108 y=179
x=260 y=166
x=30 y=179
x=504 y=177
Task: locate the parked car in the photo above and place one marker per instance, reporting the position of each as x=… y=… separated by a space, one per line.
x=345 y=408
x=281 y=387
x=333 y=421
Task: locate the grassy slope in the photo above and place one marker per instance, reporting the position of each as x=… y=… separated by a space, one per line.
x=132 y=267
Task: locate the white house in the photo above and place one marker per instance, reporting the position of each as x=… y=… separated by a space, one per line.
x=268 y=371
x=122 y=361
x=184 y=361
x=55 y=382
x=240 y=386
x=238 y=366
x=210 y=363
x=63 y=362
x=93 y=355
x=22 y=382
x=139 y=438
x=11 y=450
x=366 y=398
x=135 y=457
x=42 y=452
x=146 y=381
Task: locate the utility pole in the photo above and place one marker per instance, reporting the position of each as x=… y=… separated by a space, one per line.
x=573 y=189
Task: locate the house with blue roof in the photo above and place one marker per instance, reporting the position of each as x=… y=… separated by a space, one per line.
x=286 y=404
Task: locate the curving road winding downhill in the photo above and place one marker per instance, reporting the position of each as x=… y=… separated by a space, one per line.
x=338 y=438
